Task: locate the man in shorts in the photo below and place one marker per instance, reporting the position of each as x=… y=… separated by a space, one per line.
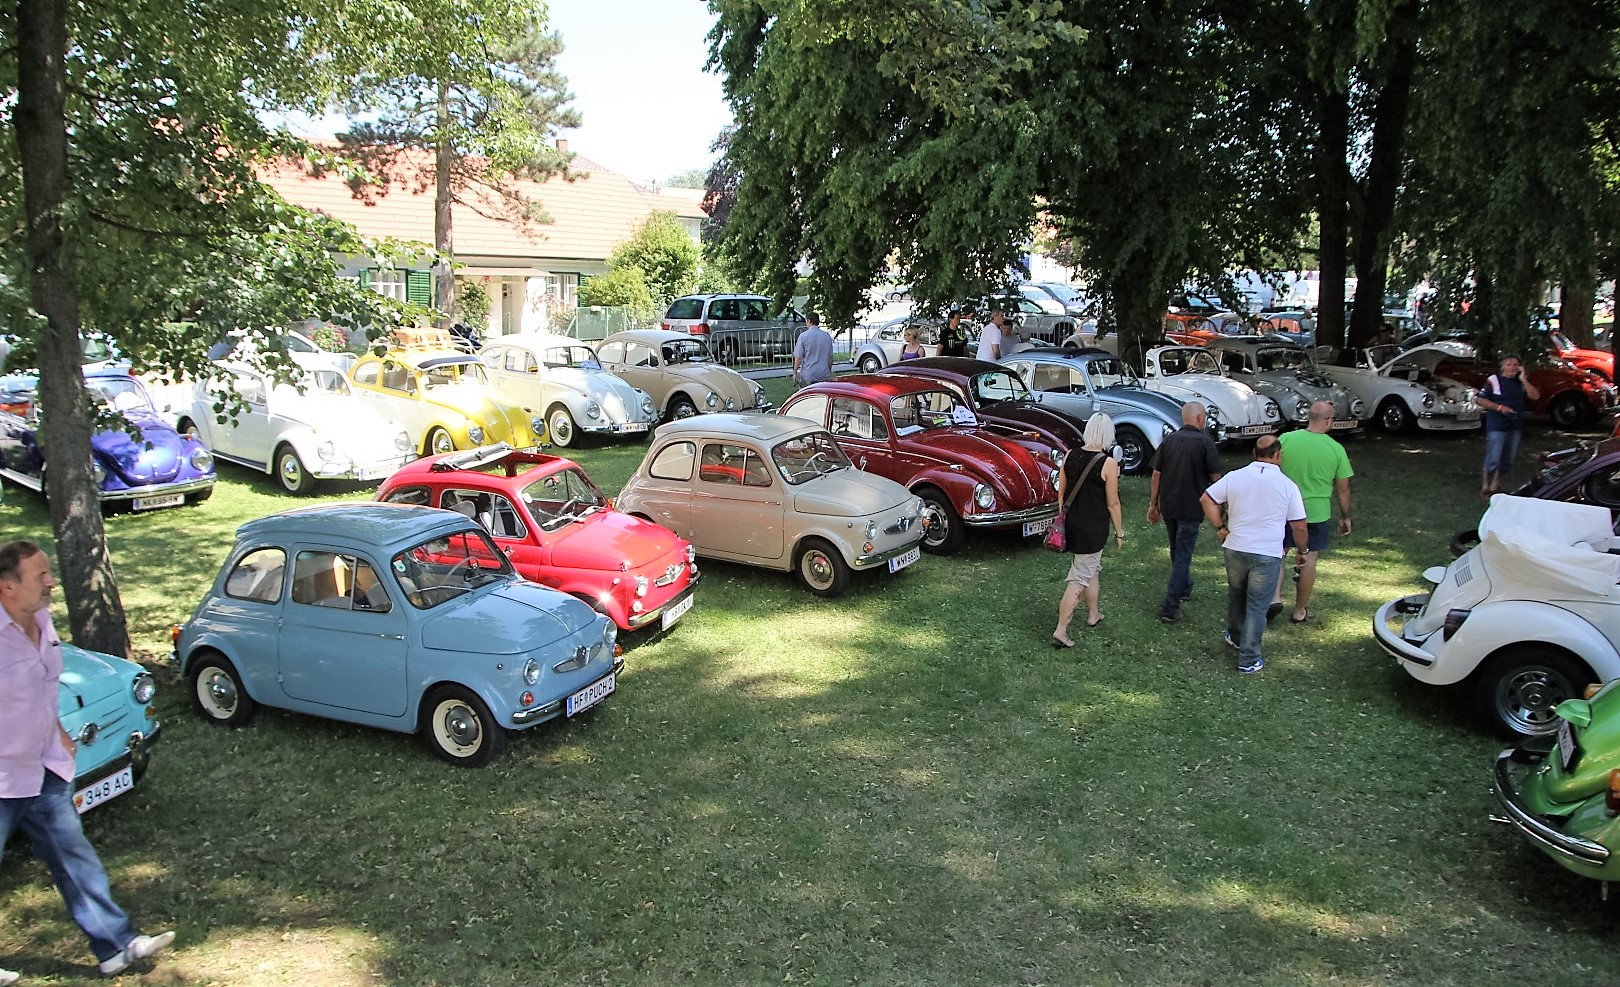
x=1318 y=465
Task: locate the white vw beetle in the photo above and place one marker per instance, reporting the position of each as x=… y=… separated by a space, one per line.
x=1528 y=619
x=1191 y=373
x=322 y=434
x=1405 y=392
x=563 y=376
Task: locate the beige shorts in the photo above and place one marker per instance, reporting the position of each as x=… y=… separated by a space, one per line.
x=1084 y=569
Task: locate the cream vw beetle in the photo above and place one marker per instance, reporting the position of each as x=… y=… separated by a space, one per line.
x=775 y=492
x=563 y=376
x=1405 y=392
x=1192 y=373
x=678 y=372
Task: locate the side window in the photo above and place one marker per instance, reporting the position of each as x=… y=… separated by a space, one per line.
x=724 y=309
x=611 y=352
x=753 y=310
x=504 y=520
x=257 y=576
x=323 y=579
x=812 y=408
x=416 y=496
x=250 y=389
x=1049 y=377
x=733 y=465
x=858 y=419
x=520 y=361
x=397 y=377
x=366 y=373
x=673 y=462
x=638 y=355
x=492 y=356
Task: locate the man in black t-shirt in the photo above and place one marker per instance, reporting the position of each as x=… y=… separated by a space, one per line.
x=1185 y=464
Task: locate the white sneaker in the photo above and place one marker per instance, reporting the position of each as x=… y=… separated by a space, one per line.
x=9 y=977
x=139 y=948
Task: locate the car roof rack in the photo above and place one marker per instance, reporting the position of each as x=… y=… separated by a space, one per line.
x=474 y=458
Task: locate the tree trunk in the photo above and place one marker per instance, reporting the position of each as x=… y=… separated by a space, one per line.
x=1333 y=178
x=444 y=234
x=95 y=613
x=1139 y=306
x=1575 y=305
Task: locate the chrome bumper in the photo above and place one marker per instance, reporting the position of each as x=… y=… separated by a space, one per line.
x=1390 y=640
x=1534 y=827
x=536 y=714
x=1002 y=518
x=882 y=558
x=639 y=620
x=130 y=493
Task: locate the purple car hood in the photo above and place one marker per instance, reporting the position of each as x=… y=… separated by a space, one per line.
x=158 y=456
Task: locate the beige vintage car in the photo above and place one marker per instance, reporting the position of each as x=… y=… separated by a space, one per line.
x=677 y=370
x=775 y=492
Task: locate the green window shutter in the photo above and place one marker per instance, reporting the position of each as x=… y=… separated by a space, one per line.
x=365 y=277
x=419 y=288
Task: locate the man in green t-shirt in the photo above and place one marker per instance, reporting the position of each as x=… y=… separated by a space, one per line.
x=1317 y=464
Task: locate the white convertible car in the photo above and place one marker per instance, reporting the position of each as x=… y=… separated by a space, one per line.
x=1191 y=373
x=1526 y=620
x=1405 y=392
x=562 y=376
x=323 y=433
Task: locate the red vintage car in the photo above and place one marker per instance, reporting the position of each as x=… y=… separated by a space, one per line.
x=1569 y=396
x=922 y=435
x=1600 y=362
x=559 y=530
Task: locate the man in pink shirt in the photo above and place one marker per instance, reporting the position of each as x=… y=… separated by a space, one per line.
x=36 y=763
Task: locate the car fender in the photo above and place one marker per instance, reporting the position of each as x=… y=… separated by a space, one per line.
x=261 y=687
x=955 y=484
x=580 y=589
x=832 y=536
x=1491 y=627
x=1151 y=426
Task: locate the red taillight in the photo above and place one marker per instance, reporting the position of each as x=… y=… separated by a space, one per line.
x=174 y=634
x=701 y=329
x=1613 y=798
x=1592 y=689
x=667 y=327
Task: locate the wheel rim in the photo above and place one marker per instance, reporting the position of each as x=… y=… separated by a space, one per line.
x=216 y=690
x=457 y=729
x=818 y=569
x=1131 y=454
x=685 y=409
x=440 y=441
x=1566 y=412
x=291 y=471
x=869 y=364
x=939 y=524
x=562 y=427
x=1527 y=696
x=1394 y=417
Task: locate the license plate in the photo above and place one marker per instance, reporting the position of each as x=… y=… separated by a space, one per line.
x=1347 y=423
x=592 y=694
x=1467 y=416
x=1254 y=430
x=1037 y=527
x=631 y=427
x=107 y=788
x=901 y=561
x=161 y=500
x=1566 y=744
x=676 y=612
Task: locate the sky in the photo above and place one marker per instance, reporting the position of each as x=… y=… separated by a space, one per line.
x=635 y=67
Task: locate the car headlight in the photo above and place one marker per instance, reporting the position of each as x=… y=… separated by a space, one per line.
x=641 y=586
x=327 y=451
x=984 y=497
x=1428 y=400
x=531 y=672
x=1213 y=412
x=1302 y=408
x=144 y=688
x=1272 y=411
x=402 y=441
x=691 y=553
x=713 y=400
x=100 y=473
x=476 y=434
x=1358 y=408
x=537 y=425
x=201 y=459
x=871 y=530
x=759 y=396
x=1055 y=476
x=610 y=634
x=1166 y=430
x=647 y=407
x=731 y=404
x=1058 y=456
x=593 y=410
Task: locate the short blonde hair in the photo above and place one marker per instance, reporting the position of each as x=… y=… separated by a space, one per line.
x=1099 y=431
x=909 y=333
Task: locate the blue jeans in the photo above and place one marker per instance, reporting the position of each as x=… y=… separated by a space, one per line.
x=1251 y=582
x=1501 y=448
x=52 y=825
x=1183 y=539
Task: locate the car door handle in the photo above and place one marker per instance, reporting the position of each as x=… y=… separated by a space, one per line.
x=392 y=637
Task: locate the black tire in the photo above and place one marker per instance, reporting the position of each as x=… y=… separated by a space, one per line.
x=821 y=568
x=290 y=471
x=1517 y=688
x=217 y=692
x=1464 y=541
x=560 y=427
x=459 y=728
x=438 y=441
x=1569 y=410
x=1136 y=456
x=870 y=364
x=1395 y=417
x=945 y=532
x=681 y=406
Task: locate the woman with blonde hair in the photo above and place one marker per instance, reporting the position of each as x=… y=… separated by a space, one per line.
x=911 y=349
x=1092 y=476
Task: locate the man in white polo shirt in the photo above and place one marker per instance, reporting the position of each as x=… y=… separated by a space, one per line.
x=1260 y=502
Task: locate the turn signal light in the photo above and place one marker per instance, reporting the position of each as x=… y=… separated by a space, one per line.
x=526 y=700
x=1453 y=623
x=174 y=634
x=1613 y=798
x=1592 y=690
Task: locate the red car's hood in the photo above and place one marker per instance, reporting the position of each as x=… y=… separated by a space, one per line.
x=606 y=539
x=1014 y=470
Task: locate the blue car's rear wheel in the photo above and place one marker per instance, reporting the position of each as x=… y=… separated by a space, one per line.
x=459 y=727
x=217 y=692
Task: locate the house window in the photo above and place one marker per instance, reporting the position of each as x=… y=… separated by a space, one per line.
x=567 y=289
x=389 y=281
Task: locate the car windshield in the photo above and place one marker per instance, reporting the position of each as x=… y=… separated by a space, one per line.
x=1283 y=358
x=562 y=498
x=999 y=385
x=1560 y=341
x=446 y=373
x=805 y=457
x=1112 y=372
x=1189 y=361
x=685 y=351
x=929 y=409
x=572 y=356
x=444 y=568
x=119 y=393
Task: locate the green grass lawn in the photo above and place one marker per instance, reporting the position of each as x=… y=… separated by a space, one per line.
x=904 y=786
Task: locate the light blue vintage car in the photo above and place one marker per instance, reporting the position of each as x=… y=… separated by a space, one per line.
x=392 y=616
x=105 y=704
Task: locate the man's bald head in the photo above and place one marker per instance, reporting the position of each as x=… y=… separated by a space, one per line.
x=1267 y=448
x=1192 y=413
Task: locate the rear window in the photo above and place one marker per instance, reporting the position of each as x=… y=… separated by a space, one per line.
x=685 y=308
